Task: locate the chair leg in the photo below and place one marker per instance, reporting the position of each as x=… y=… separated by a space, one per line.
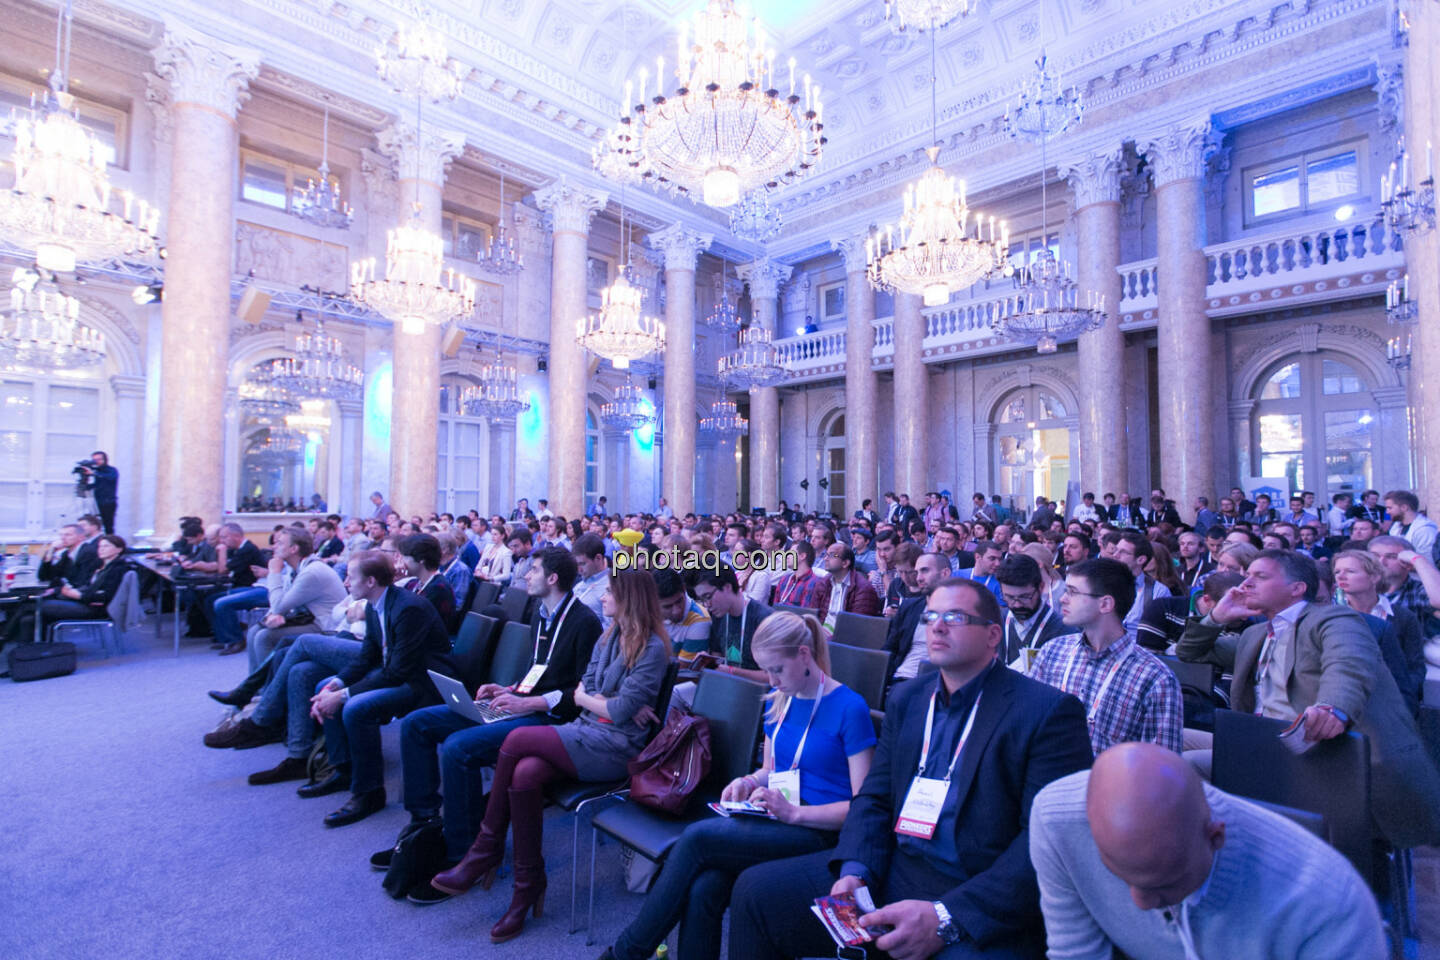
x=590 y=917
x=574 y=866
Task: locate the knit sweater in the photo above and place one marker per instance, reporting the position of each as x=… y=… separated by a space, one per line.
x=1276 y=892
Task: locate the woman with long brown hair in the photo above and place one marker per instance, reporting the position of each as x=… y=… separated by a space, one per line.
x=624 y=676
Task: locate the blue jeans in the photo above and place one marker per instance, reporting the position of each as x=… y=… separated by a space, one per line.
x=694 y=885
x=313 y=657
x=226 y=619
x=353 y=735
x=465 y=748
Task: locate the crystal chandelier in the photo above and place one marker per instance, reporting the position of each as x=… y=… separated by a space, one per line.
x=41 y=330
x=630 y=410
x=1397 y=352
x=319 y=202
x=620 y=333
x=725 y=128
x=724 y=421
x=263 y=401
x=415 y=62
x=310 y=421
x=280 y=447
x=497 y=397
x=1048 y=305
x=1409 y=208
x=754 y=363
x=724 y=318
x=926 y=14
x=417 y=290
x=62 y=205
x=320 y=368
x=940 y=247
x=754 y=218
x=501 y=257
x=1399 y=308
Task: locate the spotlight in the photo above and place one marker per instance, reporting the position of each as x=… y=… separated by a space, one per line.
x=653 y=383
x=1345 y=212
x=147 y=293
x=542 y=365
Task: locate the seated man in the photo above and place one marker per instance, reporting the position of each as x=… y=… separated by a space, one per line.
x=1165 y=620
x=733 y=619
x=564 y=635
x=938 y=832
x=1139 y=856
x=802 y=587
x=59 y=558
x=1128 y=694
x=241 y=559
x=905 y=635
x=687 y=621
x=452 y=568
x=988 y=555
x=1135 y=551
x=518 y=542
x=1030 y=622
x=303 y=592
x=329 y=546
x=594 y=573
x=850 y=590
x=420 y=553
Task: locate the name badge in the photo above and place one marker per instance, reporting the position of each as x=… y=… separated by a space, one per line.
x=531 y=678
x=786 y=783
x=921 y=811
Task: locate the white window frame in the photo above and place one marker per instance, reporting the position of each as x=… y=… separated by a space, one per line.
x=296 y=175
x=90 y=110
x=32 y=524
x=445 y=479
x=1359 y=147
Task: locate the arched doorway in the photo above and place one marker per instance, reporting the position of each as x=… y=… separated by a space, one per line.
x=1031 y=445
x=833 y=470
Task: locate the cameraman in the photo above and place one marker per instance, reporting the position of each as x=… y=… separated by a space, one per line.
x=104 y=479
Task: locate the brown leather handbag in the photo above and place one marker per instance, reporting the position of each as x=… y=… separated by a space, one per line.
x=671 y=768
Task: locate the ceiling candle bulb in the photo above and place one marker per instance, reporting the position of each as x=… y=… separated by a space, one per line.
x=792 y=76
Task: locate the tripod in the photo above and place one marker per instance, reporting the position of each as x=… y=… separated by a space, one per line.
x=82 y=504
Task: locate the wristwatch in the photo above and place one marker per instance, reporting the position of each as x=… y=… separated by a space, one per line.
x=1336 y=712
x=947 y=932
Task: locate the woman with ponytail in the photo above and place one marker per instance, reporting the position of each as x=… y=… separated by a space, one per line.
x=819 y=741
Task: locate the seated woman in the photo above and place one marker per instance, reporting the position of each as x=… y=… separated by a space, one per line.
x=822 y=748
x=85 y=601
x=617 y=694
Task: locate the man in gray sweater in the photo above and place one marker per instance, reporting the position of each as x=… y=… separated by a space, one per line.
x=1138 y=854
x=303 y=593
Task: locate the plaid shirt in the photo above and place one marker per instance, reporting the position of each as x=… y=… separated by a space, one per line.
x=807 y=591
x=1128 y=694
x=1412 y=597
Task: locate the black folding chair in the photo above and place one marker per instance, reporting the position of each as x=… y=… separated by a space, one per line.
x=1197 y=688
x=791 y=608
x=486 y=593
x=858 y=630
x=474 y=646
x=512 y=654
x=516 y=604
x=862 y=670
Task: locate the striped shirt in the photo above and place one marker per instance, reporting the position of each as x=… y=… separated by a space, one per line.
x=1129 y=695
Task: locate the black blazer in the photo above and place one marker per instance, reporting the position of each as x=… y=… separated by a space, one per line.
x=904 y=513
x=416 y=641
x=104 y=583
x=902 y=630
x=87 y=561
x=1026 y=734
x=53 y=571
x=442 y=597
x=569 y=655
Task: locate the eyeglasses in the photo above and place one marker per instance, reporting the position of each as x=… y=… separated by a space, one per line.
x=955 y=618
x=1071 y=591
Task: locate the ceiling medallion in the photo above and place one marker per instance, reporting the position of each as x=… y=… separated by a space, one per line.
x=725 y=128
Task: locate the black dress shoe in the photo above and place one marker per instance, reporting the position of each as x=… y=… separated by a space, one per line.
x=336 y=782
x=381 y=861
x=357 y=808
x=424 y=894
x=233 y=648
x=242 y=736
x=291 y=768
x=231 y=698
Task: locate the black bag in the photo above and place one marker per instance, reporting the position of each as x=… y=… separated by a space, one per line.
x=418 y=855
x=40 y=661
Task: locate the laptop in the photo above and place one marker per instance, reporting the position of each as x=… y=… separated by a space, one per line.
x=453 y=692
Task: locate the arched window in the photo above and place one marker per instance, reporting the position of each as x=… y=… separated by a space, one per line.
x=48 y=422
x=1032 y=446
x=835 y=466
x=1314 y=424
x=458 y=451
x=592 y=459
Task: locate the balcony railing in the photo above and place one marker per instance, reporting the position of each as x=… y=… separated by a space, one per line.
x=1242 y=275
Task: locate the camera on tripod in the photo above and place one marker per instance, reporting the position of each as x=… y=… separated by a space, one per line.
x=84 y=473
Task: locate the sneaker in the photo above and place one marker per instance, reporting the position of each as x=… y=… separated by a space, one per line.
x=381 y=860
x=291 y=768
x=244 y=734
x=424 y=894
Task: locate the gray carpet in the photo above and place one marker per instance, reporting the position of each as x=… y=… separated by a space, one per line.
x=125 y=837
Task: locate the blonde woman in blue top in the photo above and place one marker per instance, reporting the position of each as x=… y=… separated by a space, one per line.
x=819 y=738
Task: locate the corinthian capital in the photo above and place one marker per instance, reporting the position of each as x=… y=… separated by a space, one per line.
x=852 y=248
x=420 y=153
x=679 y=245
x=1095 y=179
x=204 y=71
x=764 y=277
x=569 y=206
x=1180 y=152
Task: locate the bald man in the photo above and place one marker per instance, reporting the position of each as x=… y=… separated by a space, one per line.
x=1139 y=854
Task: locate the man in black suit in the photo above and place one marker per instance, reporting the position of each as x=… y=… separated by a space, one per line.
x=1161 y=510
x=905 y=513
x=87 y=556
x=56 y=565
x=905 y=636
x=938 y=831
x=105 y=479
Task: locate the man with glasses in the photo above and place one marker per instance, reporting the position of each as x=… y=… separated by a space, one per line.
x=940 y=824
x=733 y=619
x=1129 y=695
x=850 y=591
x=905 y=636
x=1030 y=622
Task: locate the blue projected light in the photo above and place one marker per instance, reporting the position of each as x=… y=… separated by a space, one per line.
x=645 y=436
x=311 y=446
x=378 y=398
x=532 y=420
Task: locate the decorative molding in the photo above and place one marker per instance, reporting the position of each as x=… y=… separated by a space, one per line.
x=1181 y=152
x=299 y=88
x=205 y=71
x=1360 y=344
x=1096 y=178
x=764 y=276
x=530 y=231
x=420 y=154
x=292 y=259
x=678 y=246
x=128 y=387
x=570 y=207
x=852 y=248
x=157 y=98
x=1309 y=334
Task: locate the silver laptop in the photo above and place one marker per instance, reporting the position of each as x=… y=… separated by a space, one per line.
x=453 y=692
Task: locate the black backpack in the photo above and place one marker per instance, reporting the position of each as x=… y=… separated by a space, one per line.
x=419 y=854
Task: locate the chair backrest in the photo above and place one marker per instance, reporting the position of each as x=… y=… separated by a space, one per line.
x=516 y=604
x=124 y=608
x=467 y=602
x=486 y=593
x=474 y=647
x=1332 y=778
x=512 y=654
x=862 y=670
x=858 y=630
x=1310 y=821
x=1197 y=676
x=791 y=608
x=734 y=707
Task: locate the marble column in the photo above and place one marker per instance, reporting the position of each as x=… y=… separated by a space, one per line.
x=862 y=450
x=421 y=156
x=912 y=399
x=765 y=277
x=1422 y=249
x=1104 y=439
x=571 y=208
x=1178 y=159
x=348 y=498
x=679 y=246
x=208 y=81
x=129 y=394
